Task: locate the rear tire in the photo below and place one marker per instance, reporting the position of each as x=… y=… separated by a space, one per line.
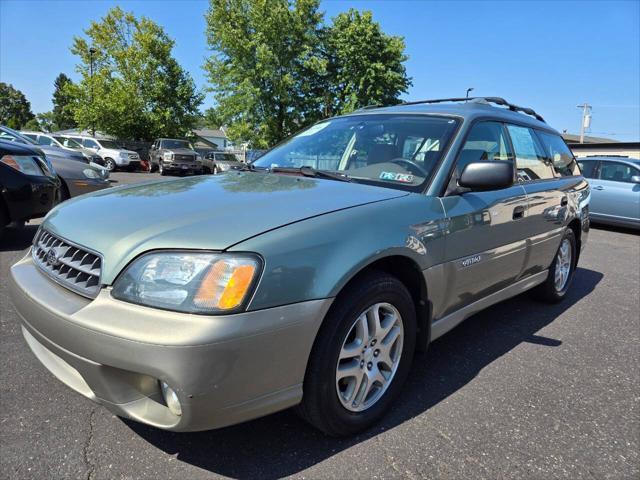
x=344 y=392
x=561 y=271
x=161 y=169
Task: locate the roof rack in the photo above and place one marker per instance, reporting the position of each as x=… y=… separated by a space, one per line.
x=496 y=100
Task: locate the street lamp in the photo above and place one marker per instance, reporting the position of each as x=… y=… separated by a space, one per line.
x=92 y=51
x=469 y=90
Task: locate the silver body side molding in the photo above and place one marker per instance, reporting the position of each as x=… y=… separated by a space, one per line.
x=443 y=325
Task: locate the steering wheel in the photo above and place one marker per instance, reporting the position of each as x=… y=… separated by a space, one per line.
x=412 y=166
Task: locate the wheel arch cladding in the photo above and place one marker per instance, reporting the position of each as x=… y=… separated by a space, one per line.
x=410 y=275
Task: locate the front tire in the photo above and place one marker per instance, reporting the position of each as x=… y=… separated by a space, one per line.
x=561 y=271
x=161 y=169
x=109 y=164
x=361 y=356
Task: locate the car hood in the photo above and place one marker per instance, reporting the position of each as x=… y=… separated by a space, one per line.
x=205 y=212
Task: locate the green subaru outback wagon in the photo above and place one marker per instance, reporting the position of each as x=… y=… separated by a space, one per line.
x=310 y=277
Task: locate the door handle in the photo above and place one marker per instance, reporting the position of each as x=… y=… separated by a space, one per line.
x=564 y=202
x=518 y=212
x=598 y=187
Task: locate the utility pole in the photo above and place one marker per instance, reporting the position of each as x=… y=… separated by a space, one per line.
x=92 y=51
x=586 y=119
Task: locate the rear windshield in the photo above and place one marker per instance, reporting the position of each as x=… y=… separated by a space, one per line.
x=392 y=150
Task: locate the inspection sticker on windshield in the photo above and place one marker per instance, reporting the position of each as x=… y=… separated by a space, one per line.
x=397 y=177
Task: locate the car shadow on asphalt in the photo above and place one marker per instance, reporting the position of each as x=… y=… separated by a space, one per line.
x=282 y=444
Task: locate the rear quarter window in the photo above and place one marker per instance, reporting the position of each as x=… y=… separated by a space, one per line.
x=563 y=161
x=588 y=168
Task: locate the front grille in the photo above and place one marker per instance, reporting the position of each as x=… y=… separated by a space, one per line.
x=184 y=158
x=133 y=156
x=71 y=266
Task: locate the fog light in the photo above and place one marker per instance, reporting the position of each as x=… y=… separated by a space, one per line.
x=171 y=399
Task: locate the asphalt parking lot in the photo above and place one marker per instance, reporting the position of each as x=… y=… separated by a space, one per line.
x=521 y=390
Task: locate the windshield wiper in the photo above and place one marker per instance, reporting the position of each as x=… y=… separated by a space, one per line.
x=312 y=172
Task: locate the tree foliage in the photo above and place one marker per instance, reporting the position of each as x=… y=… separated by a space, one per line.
x=365 y=66
x=15 y=109
x=137 y=90
x=265 y=57
x=47 y=123
x=62 y=114
x=275 y=67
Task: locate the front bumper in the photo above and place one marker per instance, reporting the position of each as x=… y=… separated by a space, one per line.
x=182 y=167
x=31 y=198
x=224 y=369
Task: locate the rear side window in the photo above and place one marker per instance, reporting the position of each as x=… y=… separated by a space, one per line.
x=617 y=172
x=486 y=142
x=588 y=168
x=531 y=161
x=564 y=163
x=90 y=143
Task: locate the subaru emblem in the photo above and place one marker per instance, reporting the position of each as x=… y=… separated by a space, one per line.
x=52 y=258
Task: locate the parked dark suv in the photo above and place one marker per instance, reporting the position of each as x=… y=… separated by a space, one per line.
x=171 y=155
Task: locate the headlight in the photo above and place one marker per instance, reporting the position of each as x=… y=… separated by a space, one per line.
x=198 y=158
x=189 y=282
x=124 y=155
x=167 y=156
x=23 y=163
x=90 y=173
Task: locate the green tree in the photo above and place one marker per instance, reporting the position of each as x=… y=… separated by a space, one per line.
x=15 y=109
x=62 y=103
x=264 y=67
x=364 y=65
x=47 y=122
x=32 y=125
x=137 y=90
x=275 y=67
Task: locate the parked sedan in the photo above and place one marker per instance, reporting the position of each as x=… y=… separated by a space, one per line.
x=615 y=189
x=77 y=177
x=216 y=162
x=29 y=187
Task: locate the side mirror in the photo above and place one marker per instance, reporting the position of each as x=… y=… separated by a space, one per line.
x=635 y=179
x=487 y=175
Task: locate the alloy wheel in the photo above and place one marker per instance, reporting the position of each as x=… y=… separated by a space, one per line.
x=109 y=164
x=369 y=357
x=563 y=265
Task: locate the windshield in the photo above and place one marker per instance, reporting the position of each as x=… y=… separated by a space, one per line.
x=393 y=150
x=7 y=132
x=176 y=144
x=110 y=144
x=68 y=142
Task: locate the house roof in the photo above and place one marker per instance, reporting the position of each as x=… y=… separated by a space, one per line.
x=209 y=132
x=572 y=138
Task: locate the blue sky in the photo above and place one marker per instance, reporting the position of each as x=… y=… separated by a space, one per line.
x=547 y=55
